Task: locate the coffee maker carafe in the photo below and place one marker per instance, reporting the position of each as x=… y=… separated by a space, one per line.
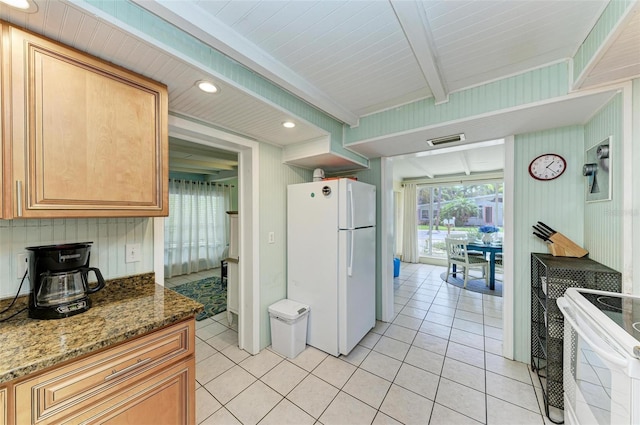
x=59 y=280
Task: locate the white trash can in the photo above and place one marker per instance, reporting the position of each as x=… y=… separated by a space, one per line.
x=288 y=327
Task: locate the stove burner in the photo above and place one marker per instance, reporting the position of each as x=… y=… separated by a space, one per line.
x=636 y=326
x=603 y=300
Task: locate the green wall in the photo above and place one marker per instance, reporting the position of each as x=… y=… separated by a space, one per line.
x=272 y=210
x=532 y=86
x=373 y=176
x=603 y=220
x=559 y=203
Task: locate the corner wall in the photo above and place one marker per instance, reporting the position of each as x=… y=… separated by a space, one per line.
x=274 y=178
x=558 y=203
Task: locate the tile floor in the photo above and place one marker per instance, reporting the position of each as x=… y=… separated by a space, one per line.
x=438 y=362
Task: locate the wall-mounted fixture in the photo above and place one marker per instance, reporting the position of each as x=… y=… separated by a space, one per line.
x=598 y=173
x=207 y=86
x=446 y=139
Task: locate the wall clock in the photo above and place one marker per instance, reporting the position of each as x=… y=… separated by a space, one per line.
x=547 y=167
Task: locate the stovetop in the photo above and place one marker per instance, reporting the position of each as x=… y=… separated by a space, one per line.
x=624 y=311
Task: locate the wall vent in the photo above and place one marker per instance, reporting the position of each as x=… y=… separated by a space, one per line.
x=446 y=139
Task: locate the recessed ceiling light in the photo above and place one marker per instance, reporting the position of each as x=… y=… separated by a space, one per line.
x=288 y=124
x=206 y=86
x=25 y=5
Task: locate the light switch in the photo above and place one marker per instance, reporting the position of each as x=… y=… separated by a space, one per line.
x=132 y=253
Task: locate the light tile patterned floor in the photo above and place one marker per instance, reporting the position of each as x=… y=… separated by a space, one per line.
x=439 y=362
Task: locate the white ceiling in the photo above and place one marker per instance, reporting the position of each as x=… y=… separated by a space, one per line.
x=352 y=58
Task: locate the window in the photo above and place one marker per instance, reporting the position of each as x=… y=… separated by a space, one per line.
x=196 y=231
x=456 y=209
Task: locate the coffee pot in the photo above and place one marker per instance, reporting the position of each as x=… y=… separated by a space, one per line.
x=59 y=276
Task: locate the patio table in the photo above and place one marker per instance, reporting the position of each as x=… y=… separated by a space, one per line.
x=492 y=249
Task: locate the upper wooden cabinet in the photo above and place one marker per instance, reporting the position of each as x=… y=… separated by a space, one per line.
x=86 y=138
x=3 y=406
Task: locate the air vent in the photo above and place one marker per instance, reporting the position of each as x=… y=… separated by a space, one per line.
x=446 y=139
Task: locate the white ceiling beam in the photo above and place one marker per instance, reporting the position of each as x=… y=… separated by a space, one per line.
x=418 y=165
x=414 y=23
x=202 y=25
x=465 y=163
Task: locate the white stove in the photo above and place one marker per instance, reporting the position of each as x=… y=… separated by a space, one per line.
x=601 y=357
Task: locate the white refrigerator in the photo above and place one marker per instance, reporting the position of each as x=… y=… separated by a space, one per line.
x=331 y=260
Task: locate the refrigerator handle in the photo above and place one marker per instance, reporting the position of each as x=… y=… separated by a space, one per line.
x=350 y=190
x=350 y=268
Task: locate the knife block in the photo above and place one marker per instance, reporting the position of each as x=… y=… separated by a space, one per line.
x=562 y=246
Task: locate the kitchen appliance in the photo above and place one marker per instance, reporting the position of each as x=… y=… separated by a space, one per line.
x=331 y=250
x=602 y=357
x=59 y=280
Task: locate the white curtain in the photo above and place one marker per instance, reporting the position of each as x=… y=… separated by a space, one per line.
x=196 y=231
x=410 y=224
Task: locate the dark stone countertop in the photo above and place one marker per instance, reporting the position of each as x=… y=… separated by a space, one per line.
x=124 y=309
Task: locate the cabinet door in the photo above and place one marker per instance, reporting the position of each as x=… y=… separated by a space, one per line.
x=167 y=397
x=74 y=388
x=4 y=141
x=3 y=406
x=88 y=138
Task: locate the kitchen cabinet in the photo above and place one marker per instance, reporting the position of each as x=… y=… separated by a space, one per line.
x=150 y=379
x=550 y=277
x=3 y=406
x=3 y=167
x=85 y=138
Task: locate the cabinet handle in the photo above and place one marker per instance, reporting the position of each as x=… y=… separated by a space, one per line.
x=117 y=373
x=19 y=196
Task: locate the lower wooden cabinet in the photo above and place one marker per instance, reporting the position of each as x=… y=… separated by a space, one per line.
x=163 y=398
x=150 y=380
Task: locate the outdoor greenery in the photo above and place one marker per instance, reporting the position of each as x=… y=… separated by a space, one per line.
x=455 y=201
x=457 y=209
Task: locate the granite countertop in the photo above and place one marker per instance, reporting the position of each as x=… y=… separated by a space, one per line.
x=125 y=308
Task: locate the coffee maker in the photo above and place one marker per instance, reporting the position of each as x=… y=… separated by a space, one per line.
x=59 y=280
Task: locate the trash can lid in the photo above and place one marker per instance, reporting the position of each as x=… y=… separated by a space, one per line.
x=288 y=309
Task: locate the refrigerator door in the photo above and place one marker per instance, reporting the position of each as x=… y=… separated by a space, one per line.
x=312 y=259
x=356 y=286
x=357 y=204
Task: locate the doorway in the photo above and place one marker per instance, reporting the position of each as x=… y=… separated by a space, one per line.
x=488 y=150
x=248 y=189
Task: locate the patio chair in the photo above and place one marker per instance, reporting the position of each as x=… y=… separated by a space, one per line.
x=458 y=255
x=467 y=238
x=498 y=263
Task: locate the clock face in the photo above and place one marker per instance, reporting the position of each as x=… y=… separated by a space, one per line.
x=547 y=167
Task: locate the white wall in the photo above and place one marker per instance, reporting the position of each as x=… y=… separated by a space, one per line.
x=109 y=237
